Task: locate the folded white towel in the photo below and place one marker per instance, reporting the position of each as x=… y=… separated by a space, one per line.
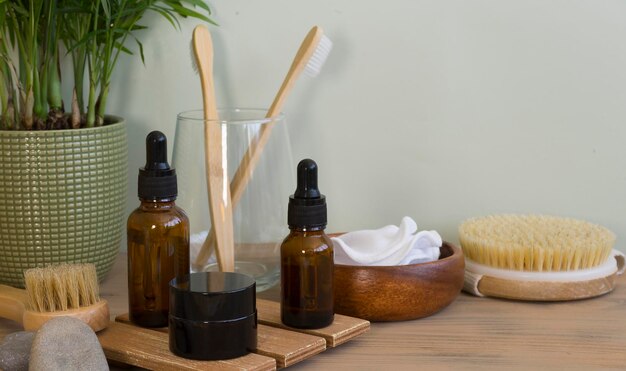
x=390 y=245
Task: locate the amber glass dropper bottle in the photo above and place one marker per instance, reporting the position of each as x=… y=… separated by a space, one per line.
x=158 y=238
x=307 y=256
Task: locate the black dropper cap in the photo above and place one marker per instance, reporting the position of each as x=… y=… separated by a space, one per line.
x=157 y=180
x=307 y=206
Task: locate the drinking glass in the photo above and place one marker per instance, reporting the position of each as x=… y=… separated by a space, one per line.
x=260 y=215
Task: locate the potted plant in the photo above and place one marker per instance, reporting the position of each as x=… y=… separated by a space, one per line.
x=63 y=176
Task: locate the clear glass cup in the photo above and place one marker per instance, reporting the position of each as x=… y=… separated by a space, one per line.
x=260 y=215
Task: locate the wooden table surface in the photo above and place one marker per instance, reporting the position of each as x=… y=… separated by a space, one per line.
x=471 y=333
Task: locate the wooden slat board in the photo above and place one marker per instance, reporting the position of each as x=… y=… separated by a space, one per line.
x=149 y=349
x=343 y=328
x=284 y=344
x=286 y=347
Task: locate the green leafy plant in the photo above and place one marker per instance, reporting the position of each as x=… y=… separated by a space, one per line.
x=37 y=35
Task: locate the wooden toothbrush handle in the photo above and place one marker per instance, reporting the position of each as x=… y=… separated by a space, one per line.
x=237 y=187
x=253 y=154
x=220 y=202
x=13 y=303
x=220 y=205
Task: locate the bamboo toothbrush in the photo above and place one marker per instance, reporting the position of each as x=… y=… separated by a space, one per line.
x=60 y=290
x=309 y=59
x=220 y=204
x=534 y=257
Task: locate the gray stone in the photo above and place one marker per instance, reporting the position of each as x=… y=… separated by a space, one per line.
x=66 y=344
x=15 y=350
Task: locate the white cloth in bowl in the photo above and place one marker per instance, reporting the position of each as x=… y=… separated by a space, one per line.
x=390 y=245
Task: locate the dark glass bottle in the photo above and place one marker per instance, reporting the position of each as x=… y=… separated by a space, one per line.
x=158 y=239
x=307 y=256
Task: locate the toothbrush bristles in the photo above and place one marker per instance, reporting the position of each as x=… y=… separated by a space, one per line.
x=317 y=60
x=312 y=68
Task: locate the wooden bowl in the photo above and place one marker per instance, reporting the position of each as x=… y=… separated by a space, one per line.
x=398 y=293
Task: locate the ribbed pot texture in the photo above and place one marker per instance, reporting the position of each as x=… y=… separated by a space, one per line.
x=62 y=198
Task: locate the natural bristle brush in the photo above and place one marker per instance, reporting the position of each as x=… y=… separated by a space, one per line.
x=309 y=59
x=59 y=290
x=535 y=257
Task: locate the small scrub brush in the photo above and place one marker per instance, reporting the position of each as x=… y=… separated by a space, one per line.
x=536 y=257
x=57 y=290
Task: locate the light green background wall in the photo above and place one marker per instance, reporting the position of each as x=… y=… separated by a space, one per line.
x=441 y=110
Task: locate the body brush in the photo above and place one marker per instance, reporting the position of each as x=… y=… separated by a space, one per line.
x=59 y=290
x=541 y=258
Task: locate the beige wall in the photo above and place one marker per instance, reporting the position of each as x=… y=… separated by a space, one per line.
x=440 y=110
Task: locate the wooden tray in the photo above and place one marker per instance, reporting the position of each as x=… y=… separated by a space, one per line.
x=150 y=349
x=342 y=329
x=278 y=345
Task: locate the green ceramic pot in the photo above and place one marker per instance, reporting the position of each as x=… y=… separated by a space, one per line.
x=62 y=197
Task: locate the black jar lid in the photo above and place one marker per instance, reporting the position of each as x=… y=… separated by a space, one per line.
x=213 y=296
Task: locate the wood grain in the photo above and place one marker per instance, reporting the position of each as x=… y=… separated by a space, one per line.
x=286 y=347
x=96 y=316
x=545 y=291
x=398 y=293
x=150 y=349
x=480 y=282
x=342 y=329
x=13 y=304
x=471 y=333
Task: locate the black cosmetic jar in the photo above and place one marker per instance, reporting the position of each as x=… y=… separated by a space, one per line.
x=213 y=316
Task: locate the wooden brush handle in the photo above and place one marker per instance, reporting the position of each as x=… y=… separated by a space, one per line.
x=620 y=258
x=95 y=316
x=470 y=283
x=13 y=303
x=253 y=154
